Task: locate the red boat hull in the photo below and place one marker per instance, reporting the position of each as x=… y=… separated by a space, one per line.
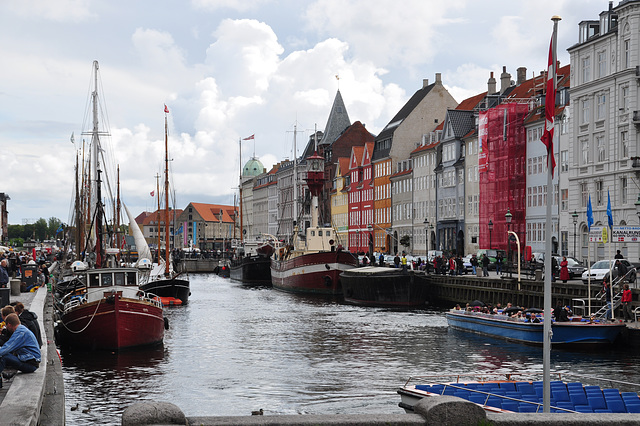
x=112 y=323
x=316 y=273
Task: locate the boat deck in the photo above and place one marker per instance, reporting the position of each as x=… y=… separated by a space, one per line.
x=527 y=397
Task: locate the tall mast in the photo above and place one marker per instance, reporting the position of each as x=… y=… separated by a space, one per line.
x=240 y=191
x=78 y=210
x=117 y=218
x=295 y=177
x=158 y=215
x=98 y=213
x=166 y=194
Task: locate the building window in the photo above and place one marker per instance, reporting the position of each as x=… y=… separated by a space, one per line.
x=627 y=53
x=584 y=149
x=601 y=109
x=624 y=98
x=602 y=151
x=586 y=111
x=564 y=161
x=599 y=192
x=624 y=144
x=584 y=190
x=586 y=69
x=564 y=206
x=602 y=64
x=623 y=190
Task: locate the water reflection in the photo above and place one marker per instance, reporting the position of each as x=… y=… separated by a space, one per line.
x=234 y=349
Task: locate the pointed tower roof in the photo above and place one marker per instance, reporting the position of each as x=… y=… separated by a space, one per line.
x=337 y=122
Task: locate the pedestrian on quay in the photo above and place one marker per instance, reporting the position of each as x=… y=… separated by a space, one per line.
x=404 y=262
x=618 y=255
x=4 y=274
x=626 y=303
x=564 y=269
x=21 y=351
x=396 y=261
x=485 y=265
x=621 y=270
x=499 y=263
x=381 y=259
x=474 y=263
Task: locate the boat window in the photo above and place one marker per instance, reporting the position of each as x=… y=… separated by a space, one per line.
x=131 y=278
x=313 y=233
x=107 y=280
x=119 y=277
x=328 y=233
x=319 y=233
x=94 y=280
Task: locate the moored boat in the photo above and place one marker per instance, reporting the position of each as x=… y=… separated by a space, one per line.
x=384 y=287
x=506 y=393
x=104 y=309
x=576 y=332
x=252 y=266
x=313 y=264
x=99 y=304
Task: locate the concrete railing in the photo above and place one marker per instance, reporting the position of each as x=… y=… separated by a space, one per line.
x=22 y=403
x=440 y=411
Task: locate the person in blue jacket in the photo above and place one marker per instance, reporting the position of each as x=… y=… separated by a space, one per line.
x=21 y=351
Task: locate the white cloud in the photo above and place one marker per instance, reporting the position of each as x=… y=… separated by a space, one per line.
x=54 y=10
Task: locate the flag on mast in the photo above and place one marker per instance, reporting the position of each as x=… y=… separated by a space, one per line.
x=152 y=193
x=248 y=138
x=550 y=108
x=166 y=109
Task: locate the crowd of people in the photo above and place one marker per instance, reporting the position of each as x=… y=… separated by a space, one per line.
x=560 y=313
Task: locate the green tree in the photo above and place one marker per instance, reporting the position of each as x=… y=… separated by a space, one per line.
x=53 y=226
x=40 y=228
x=405 y=241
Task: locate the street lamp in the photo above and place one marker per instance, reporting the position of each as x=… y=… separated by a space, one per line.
x=507 y=217
x=426 y=238
x=574 y=215
x=490 y=230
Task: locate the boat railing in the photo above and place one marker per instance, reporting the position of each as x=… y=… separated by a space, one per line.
x=619 y=384
x=539 y=406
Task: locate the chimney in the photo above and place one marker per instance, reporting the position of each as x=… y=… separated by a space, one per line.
x=522 y=75
x=425 y=82
x=505 y=80
x=438 y=78
x=491 y=85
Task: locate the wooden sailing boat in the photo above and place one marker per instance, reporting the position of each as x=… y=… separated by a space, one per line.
x=99 y=305
x=173 y=288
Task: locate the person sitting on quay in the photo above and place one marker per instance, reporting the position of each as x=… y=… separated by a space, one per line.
x=21 y=350
x=5 y=334
x=29 y=320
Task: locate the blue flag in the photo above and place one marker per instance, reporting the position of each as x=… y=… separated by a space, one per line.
x=609 y=214
x=589 y=214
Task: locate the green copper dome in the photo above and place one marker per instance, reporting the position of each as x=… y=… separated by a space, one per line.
x=253 y=168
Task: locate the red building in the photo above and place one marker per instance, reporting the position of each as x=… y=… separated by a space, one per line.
x=361 y=199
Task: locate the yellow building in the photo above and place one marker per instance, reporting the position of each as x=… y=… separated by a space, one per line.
x=340 y=202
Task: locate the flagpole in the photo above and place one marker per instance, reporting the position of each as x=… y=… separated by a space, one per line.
x=547 y=333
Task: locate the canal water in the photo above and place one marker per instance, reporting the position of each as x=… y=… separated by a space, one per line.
x=233 y=350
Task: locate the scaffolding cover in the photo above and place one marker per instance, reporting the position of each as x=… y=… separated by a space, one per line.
x=502 y=169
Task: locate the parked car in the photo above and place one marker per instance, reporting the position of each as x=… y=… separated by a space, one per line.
x=575 y=268
x=601 y=268
x=492 y=254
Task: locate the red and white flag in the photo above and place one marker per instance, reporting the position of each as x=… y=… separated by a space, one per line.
x=166 y=109
x=153 y=193
x=250 y=137
x=550 y=108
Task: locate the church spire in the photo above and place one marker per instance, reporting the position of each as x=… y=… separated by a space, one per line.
x=338 y=121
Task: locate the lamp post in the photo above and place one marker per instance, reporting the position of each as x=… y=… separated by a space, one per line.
x=507 y=217
x=490 y=230
x=574 y=215
x=426 y=238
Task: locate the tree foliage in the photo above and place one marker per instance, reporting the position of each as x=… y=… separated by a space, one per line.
x=41 y=230
x=405 y=240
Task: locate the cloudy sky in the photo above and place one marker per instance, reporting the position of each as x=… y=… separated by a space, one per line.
x=228 y=69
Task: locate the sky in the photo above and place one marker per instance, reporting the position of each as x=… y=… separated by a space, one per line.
x=229 y=69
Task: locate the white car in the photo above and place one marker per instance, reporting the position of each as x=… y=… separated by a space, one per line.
x=601 y=268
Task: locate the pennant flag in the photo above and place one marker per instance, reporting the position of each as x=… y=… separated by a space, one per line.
x=153 y=193
x=589 y=214
x=166 y=110
x=249 y=138
x=60 y=229
x=550 y=108
x=609 y=213
x=73 y=139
